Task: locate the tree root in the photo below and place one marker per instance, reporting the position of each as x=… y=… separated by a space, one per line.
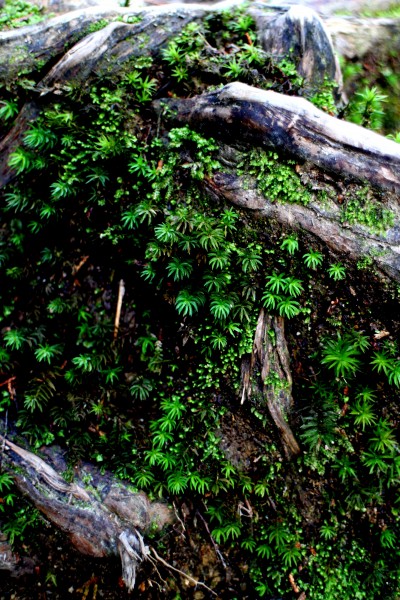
x=105 y=520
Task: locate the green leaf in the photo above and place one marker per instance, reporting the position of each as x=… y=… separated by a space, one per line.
x=278 y=534
x=20 y=160
x=376 y=462
x=39 y=137
x=290 y=244
x=382 y=363
x=294 y=286
x=342 y=356
x=166 y=233
x=219 y=259
x=46 y=352
x=388 y=538
x=291 y=555
x=174 y=408
x=8 y=110
x=364 y=413
x=188 y=303
x=177 y=482
x=313 y=259
x=337 y=271
x=218 y=340
x=270 y=300
x=265 y=551
x=198 y=483
x=220 y=306
x=328 y=532
x=383 y=439
x=276 y=282
x=211 y=239
x=216 y=281
x=141 y=388
x=162 y=438
x=6 y=481
x=179 y=269
x=232 y=530
x=14 y=339
x=144 y=479
x=394 y=373
x=288 y=308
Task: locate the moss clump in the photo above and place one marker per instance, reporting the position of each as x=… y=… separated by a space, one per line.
x=276 y=177
x=18 y=13
x=365 y=209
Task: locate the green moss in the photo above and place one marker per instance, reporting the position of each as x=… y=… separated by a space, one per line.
x=18 y=13
x=390 y=12
x=276 y=177
x=97 y=26
x=364 y=209
x=104 y=193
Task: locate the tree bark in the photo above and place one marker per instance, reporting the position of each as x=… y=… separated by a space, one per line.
x=270 y=356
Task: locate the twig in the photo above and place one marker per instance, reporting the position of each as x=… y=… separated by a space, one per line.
x=76 y=268
x=216 y=549
x=179 y=519
x=192 y=579
x=3 y=445
x=7 y=381
x=121 y=292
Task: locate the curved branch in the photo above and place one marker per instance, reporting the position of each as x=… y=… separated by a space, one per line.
x=266 y=118
x=101 y=522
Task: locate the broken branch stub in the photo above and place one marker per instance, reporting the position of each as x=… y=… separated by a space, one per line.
x=270 y=355
x=300 y=35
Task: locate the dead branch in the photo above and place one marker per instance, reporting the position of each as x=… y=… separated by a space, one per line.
x=271 y=355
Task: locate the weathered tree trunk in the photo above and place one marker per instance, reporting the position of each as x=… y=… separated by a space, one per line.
x=294 y=125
